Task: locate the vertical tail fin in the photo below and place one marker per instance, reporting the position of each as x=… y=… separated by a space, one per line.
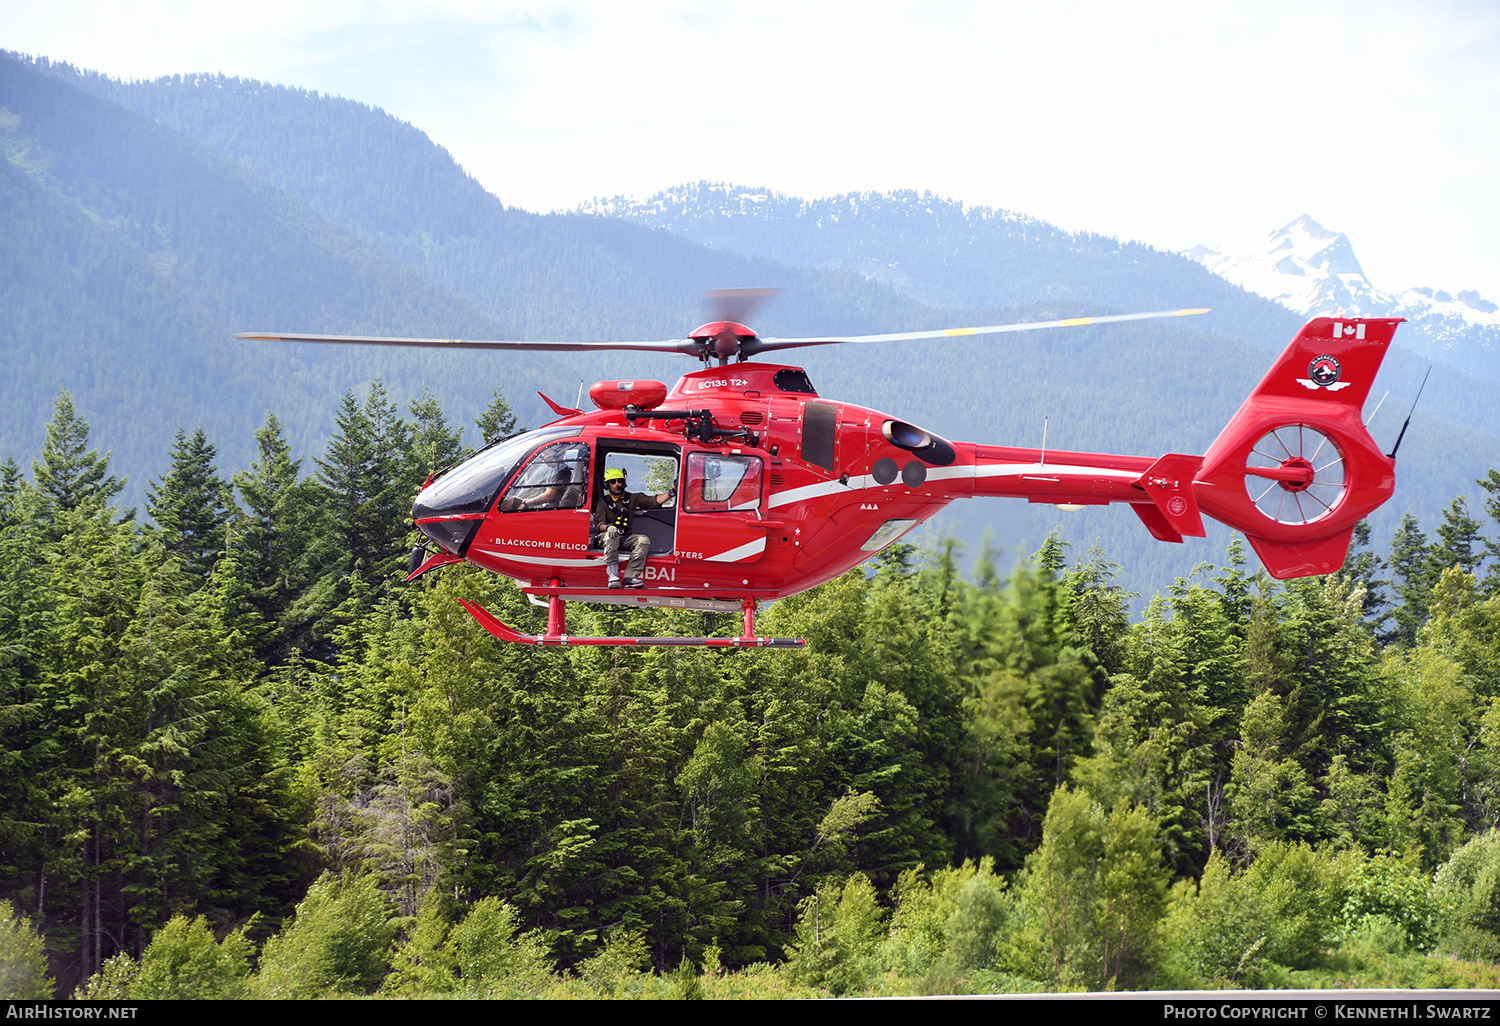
x=1295 y=469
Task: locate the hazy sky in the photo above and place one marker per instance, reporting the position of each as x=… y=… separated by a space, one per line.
x=1171 y=123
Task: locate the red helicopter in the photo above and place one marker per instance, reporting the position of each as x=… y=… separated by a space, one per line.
x=776 y=489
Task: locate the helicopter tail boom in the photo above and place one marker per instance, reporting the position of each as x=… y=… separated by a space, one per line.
x=1294 y=469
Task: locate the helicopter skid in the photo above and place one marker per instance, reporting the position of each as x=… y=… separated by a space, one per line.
x=557 y=633
x=633 y=599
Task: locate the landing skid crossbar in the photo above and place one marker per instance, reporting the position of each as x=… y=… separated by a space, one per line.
x=557 y=631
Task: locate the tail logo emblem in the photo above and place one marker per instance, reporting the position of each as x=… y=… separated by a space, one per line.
x=1323 y=372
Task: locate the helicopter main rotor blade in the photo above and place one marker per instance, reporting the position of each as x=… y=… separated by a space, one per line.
x=685 y=346
x=697 y=347
x=765 y=345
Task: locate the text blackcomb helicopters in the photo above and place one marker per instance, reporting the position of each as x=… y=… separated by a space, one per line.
x=779 y=489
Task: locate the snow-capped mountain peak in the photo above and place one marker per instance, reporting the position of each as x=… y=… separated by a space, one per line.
x=1312 y=270
x=1303 y=266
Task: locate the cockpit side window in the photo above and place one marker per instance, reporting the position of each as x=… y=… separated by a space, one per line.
x=472 y=486
x=719 y=481
x=556 y=478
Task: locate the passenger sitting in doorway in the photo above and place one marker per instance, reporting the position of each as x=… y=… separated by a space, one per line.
x=612 y=516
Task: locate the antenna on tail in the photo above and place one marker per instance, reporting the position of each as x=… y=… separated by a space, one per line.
x=1392 y=453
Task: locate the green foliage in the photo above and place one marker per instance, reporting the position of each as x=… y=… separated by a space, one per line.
x=1412 y=576
x=1468 y=887
x=423 y=963
x=1270 y=797
x=283 y=548
x=1240 y=929
x=837 y=936
x=618 y=970
x=368 y=482
x=947 y=925
x=1090 y=896
x=112 y=982
x=23 y=962
x=1398 y=893
x=972 y=931
x=494 y=959
x=1031 y=692
x=498 y=420
x=71 y=477
x=185 y=962
x=1435 y=725
x=338 y=943
x=191 y=505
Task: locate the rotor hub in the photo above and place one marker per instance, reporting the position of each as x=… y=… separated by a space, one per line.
x=1301 y=474
x=722 y=340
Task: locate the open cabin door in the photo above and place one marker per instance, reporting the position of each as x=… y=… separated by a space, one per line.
x=650 y=468
x=722 y=506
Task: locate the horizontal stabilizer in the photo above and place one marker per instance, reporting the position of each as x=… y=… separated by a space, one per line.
x=1302 y=559
x=1169 y=482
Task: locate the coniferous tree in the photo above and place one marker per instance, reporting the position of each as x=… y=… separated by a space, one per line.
x=1363 y=567
x=1099 y=609
x=434 y=444
x=1459 y=535
x=1411 y=566
x=1031 y=697
x=11 y=484
x=29 y=745
x=1491 y=484
x=191 y=505
x=370 y=478
x=497 y=420
x=70 y=475
x=344 y=473
x=283 y=546
x=394 y=474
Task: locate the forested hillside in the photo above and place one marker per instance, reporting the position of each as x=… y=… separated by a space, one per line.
x=242 y=760
x=947 y=254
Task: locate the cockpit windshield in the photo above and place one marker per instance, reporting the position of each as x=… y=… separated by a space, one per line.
x=472 y=485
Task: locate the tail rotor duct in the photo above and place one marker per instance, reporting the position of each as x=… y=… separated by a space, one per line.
x=1295 y=474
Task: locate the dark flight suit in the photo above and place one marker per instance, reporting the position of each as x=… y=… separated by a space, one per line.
x=612 y=521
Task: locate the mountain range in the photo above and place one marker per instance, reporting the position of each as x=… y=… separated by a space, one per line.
x=142 y=223
x=1314 y=272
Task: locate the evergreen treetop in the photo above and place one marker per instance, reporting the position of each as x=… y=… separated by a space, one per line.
x=70 y=475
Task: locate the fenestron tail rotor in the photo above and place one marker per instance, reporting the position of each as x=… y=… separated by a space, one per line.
x=1295 y=474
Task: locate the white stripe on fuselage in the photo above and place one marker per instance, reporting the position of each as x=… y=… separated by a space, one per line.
x=865 y=481
x=728 y=556
x=516 y=557
x=739 y=552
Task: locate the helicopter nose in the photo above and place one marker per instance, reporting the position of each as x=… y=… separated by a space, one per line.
x=449 y=510
x=451 y=531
